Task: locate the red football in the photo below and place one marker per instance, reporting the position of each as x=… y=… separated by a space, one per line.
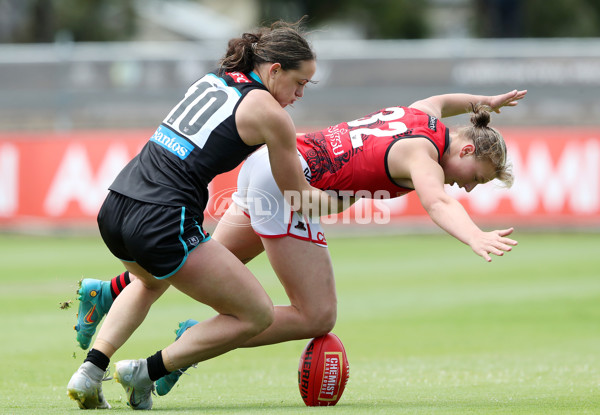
x=323 y=371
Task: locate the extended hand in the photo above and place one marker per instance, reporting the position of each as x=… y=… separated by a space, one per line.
x=494 y=242
x=510 y=99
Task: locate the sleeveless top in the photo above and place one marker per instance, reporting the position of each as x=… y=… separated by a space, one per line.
x=352 y=156
x=195 y=142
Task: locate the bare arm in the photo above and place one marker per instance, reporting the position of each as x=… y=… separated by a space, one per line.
x=288 y=174
x=449 y=105
x=419 y=163
x=260 y=119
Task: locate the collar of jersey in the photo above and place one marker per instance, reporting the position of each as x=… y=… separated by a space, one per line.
x=255 y=77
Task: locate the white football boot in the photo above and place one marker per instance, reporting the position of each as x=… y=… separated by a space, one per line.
x=85 y=387
x=133 y=376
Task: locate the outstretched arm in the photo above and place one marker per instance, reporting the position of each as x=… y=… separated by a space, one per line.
x=452 y=217
x=428 y=181
x=448 y=105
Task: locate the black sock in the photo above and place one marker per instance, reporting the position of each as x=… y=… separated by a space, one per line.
x=97 y=358
x=118 y=283
x=156 y=366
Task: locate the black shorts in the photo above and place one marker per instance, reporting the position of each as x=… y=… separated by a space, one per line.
x=159 y=238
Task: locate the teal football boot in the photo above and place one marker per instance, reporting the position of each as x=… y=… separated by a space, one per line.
x=95 y=299
x=166 y=383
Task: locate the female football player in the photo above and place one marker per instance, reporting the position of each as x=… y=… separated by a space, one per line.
x=152 y=217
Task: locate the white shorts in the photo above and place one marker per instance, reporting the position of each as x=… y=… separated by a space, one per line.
x=261 y=200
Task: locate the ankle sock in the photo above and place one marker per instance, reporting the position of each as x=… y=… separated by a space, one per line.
x=98 y=359
x=156 y=366
x=118 y=283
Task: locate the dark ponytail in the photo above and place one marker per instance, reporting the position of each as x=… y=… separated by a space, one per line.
x=282 y=43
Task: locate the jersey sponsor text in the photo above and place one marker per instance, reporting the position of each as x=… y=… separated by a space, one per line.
x=172 y=142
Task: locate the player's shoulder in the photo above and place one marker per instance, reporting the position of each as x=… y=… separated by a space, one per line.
x=259 y=117
x=262 y=107
x=260 y=96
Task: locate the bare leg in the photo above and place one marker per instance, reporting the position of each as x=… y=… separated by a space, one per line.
x=129 y=310
x=306 y=273
x=236 y=234
x=141 y=294
x=213 y=276
x=304 y=269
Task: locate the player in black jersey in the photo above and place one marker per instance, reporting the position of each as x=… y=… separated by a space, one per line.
x=152 y=218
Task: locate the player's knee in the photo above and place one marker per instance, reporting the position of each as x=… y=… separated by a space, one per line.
x=262 y=317
x=323 y=322
x=266 y=318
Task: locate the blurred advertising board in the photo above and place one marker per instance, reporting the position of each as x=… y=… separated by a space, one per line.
x=61 y=179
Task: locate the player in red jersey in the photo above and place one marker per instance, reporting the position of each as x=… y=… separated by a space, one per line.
x=397 y=150
x=392 y=151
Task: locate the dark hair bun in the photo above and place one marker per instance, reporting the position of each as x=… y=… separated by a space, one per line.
x=481 y=116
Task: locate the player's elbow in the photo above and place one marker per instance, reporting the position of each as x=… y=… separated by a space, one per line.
x=438 y=208
x=435 y=204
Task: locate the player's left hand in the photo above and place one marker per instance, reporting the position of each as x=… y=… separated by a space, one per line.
x=494 y=242
x=509 y=99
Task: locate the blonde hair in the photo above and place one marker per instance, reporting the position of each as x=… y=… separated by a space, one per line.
x=489 y=143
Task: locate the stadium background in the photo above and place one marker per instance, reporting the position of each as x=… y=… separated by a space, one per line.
x=73 y=112
x=428 y=326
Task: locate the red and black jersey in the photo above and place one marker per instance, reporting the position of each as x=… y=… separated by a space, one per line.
x=352 y=156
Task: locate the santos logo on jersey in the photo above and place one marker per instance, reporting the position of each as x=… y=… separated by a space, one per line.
x=172 y=142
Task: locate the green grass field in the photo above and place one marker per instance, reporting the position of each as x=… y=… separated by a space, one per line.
x=429 y=328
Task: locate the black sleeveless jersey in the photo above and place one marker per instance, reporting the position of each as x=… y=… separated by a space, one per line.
x=195 y=142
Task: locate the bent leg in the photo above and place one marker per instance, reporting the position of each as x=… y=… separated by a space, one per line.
x=306 y=273
x=235 y=233
x=129 y=310
x=213 y=276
